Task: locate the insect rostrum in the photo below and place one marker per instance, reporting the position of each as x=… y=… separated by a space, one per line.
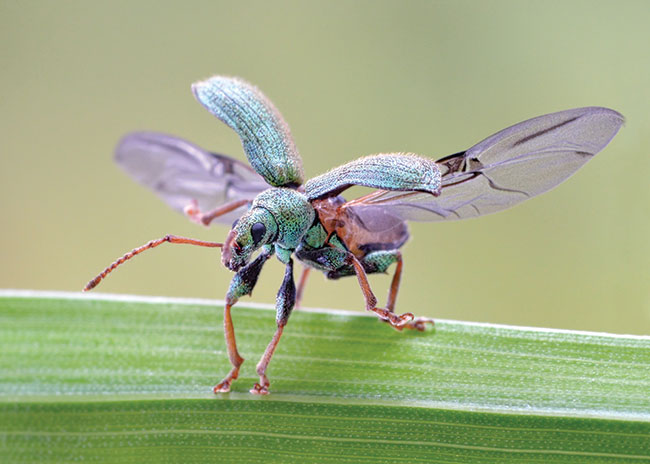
x=277 y=213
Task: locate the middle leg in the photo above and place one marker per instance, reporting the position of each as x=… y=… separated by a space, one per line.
x=284 y=303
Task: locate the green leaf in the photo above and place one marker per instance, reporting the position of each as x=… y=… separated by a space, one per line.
x=125 y=379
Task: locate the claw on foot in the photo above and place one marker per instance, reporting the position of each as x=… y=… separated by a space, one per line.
x=222 y=387
x=259 y=389
x=398 y=321
x=419 y=324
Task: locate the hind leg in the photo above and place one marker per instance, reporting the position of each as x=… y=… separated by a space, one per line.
x=379 y=261
x=354 y=265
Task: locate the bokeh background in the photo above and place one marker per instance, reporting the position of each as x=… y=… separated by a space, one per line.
x=352 y=78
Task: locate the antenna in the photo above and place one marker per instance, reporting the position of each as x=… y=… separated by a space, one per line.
x=151 y=244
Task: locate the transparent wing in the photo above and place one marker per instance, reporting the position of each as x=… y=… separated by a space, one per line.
x=379 y=230
x=180 y=172
x=375 y=230
x=507 y=168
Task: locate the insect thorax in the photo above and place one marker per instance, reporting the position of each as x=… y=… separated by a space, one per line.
x=292 y=211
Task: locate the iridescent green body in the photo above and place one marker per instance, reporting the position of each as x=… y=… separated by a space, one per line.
x=292 y=227
x=293 y=213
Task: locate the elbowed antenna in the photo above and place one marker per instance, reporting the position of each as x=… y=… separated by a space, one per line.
x=151 y=244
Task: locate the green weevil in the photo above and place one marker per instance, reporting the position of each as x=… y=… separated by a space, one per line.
x=279 y=214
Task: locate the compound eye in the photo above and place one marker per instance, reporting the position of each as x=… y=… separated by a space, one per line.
x=257 y=231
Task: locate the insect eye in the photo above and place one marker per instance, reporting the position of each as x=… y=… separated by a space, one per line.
x=257 y=231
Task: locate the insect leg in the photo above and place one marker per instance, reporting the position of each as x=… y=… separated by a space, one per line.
x=194 y=213
x=394 y=285
x=284 y=304
x=242 y=284
x=396 y=321
x=151 y=244
x=379 y=261
x=235 y=359
x=301 y=284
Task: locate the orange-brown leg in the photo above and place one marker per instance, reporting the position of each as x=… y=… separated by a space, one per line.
x=394 y=285
x=151 y=244
x=419 y=323
x=284 y=304
x=393 y=319
x=235 y=359
x=301 y=284
x=241 y=284
x=194 y=213
x=262 y=388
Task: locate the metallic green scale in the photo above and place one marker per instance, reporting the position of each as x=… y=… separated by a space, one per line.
x=292 y=212
x=393 y=171
x=294 y=229
x=264 y=134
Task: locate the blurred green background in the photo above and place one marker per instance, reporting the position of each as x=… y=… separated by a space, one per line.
x=351 y=78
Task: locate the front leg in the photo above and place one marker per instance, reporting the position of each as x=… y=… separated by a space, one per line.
x=284 y=303
x=242 y=284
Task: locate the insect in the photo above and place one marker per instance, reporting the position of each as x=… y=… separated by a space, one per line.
x=277 y=213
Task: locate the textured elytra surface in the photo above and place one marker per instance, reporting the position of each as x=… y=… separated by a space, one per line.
x=390 y=171
x=265 y=135
x=107 y=378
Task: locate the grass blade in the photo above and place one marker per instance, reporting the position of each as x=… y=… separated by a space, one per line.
x=108 y=378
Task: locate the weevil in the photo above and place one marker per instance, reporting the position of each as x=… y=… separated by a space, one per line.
x=277 y=213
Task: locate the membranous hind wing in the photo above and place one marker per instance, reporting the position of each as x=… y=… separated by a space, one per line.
x=507 y=168
x=179 y=172
x=378 y=230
